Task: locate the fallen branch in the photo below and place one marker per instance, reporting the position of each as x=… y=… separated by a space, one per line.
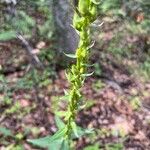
x=34 y=59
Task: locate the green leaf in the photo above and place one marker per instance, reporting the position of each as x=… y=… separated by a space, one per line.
x=92 y=147
x=65 y=145
x=97 y=2
x=88 y=65
x=26 y=18
x=7 y=35
x=57 y=144
x=5 y=132
x=71 y=55
x=59 y=123
x=87 y=75
x=61 y=144
x=49 y=141
x=75 y=129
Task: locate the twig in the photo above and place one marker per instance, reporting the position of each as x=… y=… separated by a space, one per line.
x=34 y=59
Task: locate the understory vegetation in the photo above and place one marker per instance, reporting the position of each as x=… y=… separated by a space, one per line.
x=112 y=113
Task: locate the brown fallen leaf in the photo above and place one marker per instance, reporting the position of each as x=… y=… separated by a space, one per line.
x=24 y=103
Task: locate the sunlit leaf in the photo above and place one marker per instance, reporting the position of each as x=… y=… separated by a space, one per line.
x=75 y=129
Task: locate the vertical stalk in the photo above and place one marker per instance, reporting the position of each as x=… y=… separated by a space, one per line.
x=77 y=73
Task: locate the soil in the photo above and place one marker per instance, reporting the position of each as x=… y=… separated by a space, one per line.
x=113 y=113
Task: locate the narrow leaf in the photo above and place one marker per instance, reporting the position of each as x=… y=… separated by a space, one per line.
x=65 y=145
x=88 y=65
x=90 y=46
x=71 y=55
x=87 y=75
x=59 y=123
x=75 y=130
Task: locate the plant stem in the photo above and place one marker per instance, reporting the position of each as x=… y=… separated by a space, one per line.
x=77 y=72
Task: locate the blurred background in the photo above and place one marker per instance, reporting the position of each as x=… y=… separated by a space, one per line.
x=33 y=38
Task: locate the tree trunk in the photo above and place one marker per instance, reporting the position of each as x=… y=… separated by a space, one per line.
x=67 y=38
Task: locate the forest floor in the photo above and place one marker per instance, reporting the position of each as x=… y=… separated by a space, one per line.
x=118 y=108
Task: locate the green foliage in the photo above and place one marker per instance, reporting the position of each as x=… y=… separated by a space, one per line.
x=50 y=142
x=35 y=78
x=129 y=23
x=6 y=132
x=97 y=69
x=13 y=109
x=145 y=68
x=26 y=20
x=7 y=35
x=59 y=140
x=17 y=138
x=135 y=102
x=6 y=101
x=111 y=8
x=98 y=85
x=92 y=147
